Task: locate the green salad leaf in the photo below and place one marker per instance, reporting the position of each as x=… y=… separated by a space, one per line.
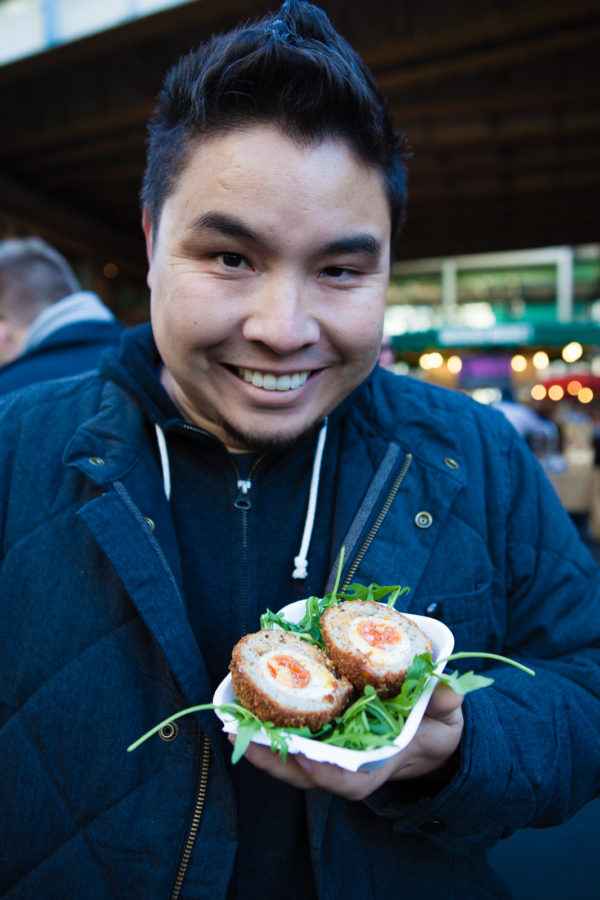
x=309 y=627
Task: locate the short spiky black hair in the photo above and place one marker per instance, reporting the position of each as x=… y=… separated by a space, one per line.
x=292 y=69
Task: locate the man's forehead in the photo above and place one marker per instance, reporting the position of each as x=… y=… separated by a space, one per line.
x=253 y=144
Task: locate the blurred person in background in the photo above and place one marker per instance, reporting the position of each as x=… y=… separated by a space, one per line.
x=49 y=326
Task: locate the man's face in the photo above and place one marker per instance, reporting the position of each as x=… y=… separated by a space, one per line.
x=268 y=276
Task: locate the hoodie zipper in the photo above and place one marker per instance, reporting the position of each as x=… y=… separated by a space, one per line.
x=377 y=523
x=244 y=504
x=196 y=817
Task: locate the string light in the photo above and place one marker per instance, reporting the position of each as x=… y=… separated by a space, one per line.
x=538 y=392
x=571 y=352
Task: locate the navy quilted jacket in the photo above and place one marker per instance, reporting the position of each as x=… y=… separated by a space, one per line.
x=96 y=647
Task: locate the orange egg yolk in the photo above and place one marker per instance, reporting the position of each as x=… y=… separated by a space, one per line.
x=288 y=671
x=377 y=634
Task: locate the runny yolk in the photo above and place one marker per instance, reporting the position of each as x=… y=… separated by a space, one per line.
x=288 y=671
x=377 y=634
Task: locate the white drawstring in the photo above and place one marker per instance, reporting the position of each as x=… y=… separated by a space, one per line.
x=301 y=561
x=164 y=460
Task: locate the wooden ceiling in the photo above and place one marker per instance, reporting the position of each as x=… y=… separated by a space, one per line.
x=499 y=102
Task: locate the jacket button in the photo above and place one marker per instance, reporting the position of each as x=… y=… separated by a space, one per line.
x=432 y=827
x=169 y=732
x=149 y=522
x=423 y=519
x=451 y=463
x=434 y=610
x=96 y=461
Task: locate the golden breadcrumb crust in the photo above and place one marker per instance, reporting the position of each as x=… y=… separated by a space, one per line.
x=351 y=662
x=256 y=697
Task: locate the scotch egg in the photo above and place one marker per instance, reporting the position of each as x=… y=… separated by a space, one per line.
x=372 y=644
x=285 y=680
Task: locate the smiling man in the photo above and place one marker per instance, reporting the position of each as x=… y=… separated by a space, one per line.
x=215 y=466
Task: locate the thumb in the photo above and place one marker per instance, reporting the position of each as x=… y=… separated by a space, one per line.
x=444 y=703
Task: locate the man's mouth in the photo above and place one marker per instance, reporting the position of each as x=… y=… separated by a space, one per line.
x=269 y=382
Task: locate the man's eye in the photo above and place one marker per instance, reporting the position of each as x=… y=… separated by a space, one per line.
x=231 y=260
x=335 y=271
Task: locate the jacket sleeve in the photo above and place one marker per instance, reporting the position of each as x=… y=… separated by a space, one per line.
x=530 y=752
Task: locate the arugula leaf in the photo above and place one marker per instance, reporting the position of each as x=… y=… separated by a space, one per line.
x=246 y=730
x=309 y=627
x=464 y=684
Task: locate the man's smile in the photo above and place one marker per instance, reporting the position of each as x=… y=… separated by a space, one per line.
x=270 y=382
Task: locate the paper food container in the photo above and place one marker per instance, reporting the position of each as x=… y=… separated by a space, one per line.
x=353 y=760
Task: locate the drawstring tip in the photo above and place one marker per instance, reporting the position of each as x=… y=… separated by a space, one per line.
x=301 y=570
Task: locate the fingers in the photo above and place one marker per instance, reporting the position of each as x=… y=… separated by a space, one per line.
x=351 y=785
x=307 y=774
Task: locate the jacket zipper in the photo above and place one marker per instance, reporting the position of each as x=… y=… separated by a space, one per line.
x=377 y=523
x=197 y=815
x=243 y=503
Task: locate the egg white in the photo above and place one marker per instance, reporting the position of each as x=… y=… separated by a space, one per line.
x=321 y=682
x=393 y=656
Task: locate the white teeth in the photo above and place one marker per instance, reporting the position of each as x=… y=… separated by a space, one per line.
x=271 y=382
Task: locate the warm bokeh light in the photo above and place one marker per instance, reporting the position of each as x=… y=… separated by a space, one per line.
x=454 y=364
x=541 y=360
x=538 y=392
x=555 y=392
x=572 y=351
x=487 y=395
x=573 y=388
x=585 y=395
x=518 y=363
x=110 y=270
x=431 y=360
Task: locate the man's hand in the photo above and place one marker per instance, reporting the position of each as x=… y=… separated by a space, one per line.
x=437 y=738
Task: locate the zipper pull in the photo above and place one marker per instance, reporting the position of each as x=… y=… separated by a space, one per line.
x=242 y=501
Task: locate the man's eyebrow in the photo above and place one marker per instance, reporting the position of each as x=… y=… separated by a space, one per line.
x=227 y=225
x=359 y=243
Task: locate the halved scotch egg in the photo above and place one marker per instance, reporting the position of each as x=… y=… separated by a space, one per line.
x=287 y=681
x=372 y=644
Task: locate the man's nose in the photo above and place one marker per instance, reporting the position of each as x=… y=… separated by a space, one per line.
x=282 y=316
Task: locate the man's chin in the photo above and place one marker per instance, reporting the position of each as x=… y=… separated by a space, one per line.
x=259 y=441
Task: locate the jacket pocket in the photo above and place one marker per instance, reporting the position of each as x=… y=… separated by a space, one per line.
x=470 y=616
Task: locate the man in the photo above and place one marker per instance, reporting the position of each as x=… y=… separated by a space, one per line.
x=49 y=327
x=171 y=510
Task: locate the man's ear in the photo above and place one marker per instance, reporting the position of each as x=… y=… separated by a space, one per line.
x=147 y=229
